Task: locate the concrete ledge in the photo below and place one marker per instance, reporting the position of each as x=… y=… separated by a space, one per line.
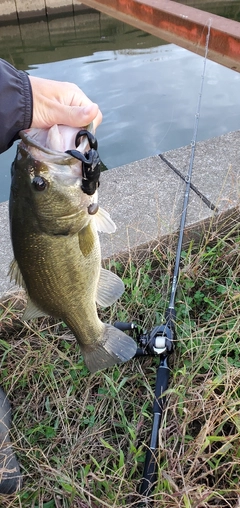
x=145 y=199
x=23 y=9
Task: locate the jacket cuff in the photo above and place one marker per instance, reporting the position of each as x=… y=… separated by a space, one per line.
x=27 y=92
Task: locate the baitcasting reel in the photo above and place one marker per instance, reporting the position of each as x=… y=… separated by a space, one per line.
x=159 y=341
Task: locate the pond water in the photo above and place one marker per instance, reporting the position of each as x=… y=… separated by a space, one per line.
x=147 y=89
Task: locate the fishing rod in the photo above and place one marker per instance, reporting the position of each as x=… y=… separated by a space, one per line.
x=161 y=340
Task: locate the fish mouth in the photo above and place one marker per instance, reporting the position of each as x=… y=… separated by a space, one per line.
x=73 y=166
x=42 y=140
x=56 y=156
x=71 y=215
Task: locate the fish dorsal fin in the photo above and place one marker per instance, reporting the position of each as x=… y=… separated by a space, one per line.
x=110 y=288
x=103 y=221
x=32 y=311
x=15 y=274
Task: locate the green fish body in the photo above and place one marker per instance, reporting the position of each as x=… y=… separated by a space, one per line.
x=57 y=250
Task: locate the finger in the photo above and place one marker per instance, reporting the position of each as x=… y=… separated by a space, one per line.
x=80 y=117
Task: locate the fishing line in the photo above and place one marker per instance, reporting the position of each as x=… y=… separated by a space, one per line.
x=173 y=112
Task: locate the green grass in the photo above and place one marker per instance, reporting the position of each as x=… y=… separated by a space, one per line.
x=80 y=437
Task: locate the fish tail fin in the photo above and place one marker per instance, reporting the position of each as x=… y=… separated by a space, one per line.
x=115 y=347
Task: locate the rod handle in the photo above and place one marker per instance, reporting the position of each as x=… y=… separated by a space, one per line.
x=150 y=466
x=121 y=325
x=149 y=474
x=161 y=386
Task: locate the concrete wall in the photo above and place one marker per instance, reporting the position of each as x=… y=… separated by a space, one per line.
x=23 y=9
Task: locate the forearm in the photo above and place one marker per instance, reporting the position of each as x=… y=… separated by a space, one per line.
x=15 y=103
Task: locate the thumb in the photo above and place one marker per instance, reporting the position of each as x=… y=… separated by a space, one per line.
x=75 y=116
x=48 y=113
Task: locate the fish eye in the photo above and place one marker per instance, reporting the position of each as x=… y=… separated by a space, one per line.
x=39 y=183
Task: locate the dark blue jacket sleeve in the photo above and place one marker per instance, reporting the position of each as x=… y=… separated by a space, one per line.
x=15 y=104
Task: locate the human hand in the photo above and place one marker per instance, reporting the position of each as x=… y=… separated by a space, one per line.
x=56 y=102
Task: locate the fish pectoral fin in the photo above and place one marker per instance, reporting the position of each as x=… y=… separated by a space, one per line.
x=116 y=347
x=110 y=288
x=15 y=274
x=32 y=311
x=103 y=221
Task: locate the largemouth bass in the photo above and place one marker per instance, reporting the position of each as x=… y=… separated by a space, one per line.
x=56 y=245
